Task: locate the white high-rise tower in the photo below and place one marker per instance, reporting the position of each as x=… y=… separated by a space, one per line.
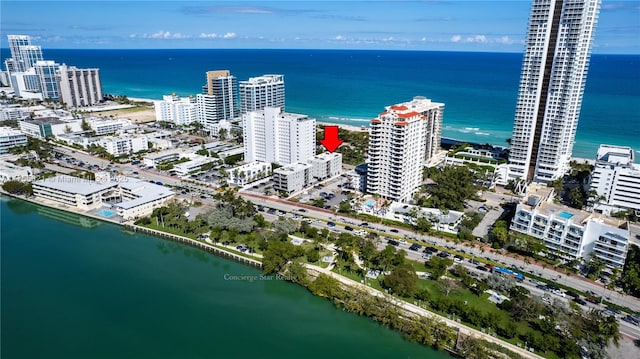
x=260 y=92
x=554 y=71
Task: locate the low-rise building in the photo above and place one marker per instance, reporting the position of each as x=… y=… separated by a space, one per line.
x=11 y=172
x=131 y=198
x=570 y=233
x=176 y=110
x=326 y=165
x=10 y=138
x=616 y=179
x=292 y=178
x=13 y=112
x=153 y=159
x=195 y=164
x=124 y=145
x=81 y=193
x=103 y=126
x=249 y=172
x=46 y=127
x=140 y=198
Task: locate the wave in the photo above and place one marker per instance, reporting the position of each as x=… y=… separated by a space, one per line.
x=482 y=133
x=472 y=128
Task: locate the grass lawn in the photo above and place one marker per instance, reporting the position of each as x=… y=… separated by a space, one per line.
x=169 y=230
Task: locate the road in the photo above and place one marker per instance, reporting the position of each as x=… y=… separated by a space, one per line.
x=324 y=216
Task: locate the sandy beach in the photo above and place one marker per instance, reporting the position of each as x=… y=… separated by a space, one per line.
x=346 y=127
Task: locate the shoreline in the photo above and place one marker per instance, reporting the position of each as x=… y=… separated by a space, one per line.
x=408 y=307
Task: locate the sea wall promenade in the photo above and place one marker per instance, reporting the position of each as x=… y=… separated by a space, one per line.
x=407 y=308
x=135 y=228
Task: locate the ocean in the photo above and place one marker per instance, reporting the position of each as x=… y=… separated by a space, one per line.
x=479 y=90
x=75 y=287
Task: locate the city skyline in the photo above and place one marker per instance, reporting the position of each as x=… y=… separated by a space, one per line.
x=389 y=25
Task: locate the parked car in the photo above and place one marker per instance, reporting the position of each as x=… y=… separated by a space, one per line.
x=393 y=242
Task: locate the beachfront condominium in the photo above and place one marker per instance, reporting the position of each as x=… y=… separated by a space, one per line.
x=271 y=135
x=79 y=87
x=47 y=72
x=569 y=233
x=402 y=139
x=260 y=92
x=616 y=180
x=219 y=98
x=554 y=71
x=176 y=110
x=23 y=54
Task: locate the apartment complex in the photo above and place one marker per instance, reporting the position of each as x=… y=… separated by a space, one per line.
x=47 y=76
x=79 y=87
x=131 y=198
x=260 y=92
x=219 y=98
x=271 y=135
x=569 y=233
x=297 y=176
x=10 y=138
x=553 y=76
x=616 y=179
x=23 y=54
x=402 y=138
x=176 y=110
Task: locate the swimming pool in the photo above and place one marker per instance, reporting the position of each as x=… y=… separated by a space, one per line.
x=370 y=203
x=106 y=213
x=565 y=215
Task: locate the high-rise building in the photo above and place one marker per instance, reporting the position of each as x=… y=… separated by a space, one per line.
x=79 y=87
x=47 y=71
x=616 y=179
x=260 y=92
x=402 y=138
x=219 y=98
x=23 y=53
x=271 y=135
x=554 y=71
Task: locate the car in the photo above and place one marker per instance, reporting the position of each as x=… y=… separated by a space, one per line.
x=347 y=228
x=271 y=211
x=474 y=262
x=431 y=249
x=443 y=254
x=331 y=224
x=393 y=242
x=458 y=258
x=393 y=230
x=482 y=268
x=302 y=210
x=364 y=224
x=415 y=247
x=580 y=301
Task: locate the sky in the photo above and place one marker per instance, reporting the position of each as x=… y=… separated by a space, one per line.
x=473 y=25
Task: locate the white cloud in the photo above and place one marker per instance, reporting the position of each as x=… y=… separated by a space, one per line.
x=505 y=40
x=340 y=38
x=424 y=39
x=476 y=38
x=456 y=38
x=229 y=35
x=161 y=35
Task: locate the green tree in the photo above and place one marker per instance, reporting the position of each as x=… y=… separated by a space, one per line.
x=222 y=134
x=402 y=280
x=85 y=126
x=313 y=255
x=630 y=277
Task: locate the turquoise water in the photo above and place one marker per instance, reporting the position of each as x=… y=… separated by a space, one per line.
x=479 y=90
x=106 y=213
x=565 y=215
x=370 y=203
x=80 y=288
